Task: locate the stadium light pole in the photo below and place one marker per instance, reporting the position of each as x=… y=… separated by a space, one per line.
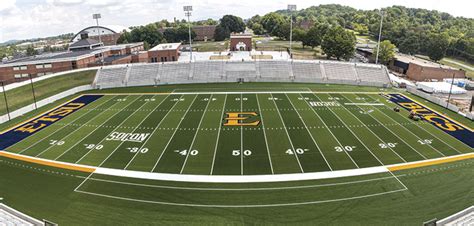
x=96 y=17
x=33 y=90
x=450 y=90
x=291 y=8
x=380 y=35
x=187 y=12
x=6 y=101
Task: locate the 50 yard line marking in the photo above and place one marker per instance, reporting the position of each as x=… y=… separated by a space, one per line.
x=154 y=130
x=195 y=135
x=264 y=134
x=311 y=135
x=62 y=127
x=169 y=141
x=287 y=134
x=241 y=142
x=218 y=134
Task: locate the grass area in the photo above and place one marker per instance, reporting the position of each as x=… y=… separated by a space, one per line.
x=433 y=192
x=298 y=51
x=211 y=46
x=219 y=57
x=23 y=96
x=469 y=71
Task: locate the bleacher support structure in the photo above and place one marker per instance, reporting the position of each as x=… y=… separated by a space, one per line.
x=301 y=71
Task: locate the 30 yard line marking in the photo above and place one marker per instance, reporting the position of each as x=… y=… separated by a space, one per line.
x=195 y=135
x=136 y=127
x=347 y=99
x=327 y=127
x=154 y=130
x=311 y=135
x=264 y=133
x=287 y=134
x=169 y=141
x=82 y=157
x=64 y=125
x=75 y=132
x=217 y=139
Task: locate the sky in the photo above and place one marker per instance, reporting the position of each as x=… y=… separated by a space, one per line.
x=23 y=19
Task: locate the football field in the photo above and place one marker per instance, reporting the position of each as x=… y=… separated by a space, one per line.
x=239 y=133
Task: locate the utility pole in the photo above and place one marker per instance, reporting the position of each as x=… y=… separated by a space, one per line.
x=450 y=90
x=96 y=17
x=33 y=90
x=380 y=35
x=6 y=101
x=187 y=12
x=291 y=8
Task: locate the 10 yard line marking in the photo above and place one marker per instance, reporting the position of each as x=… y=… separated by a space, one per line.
x=62 y=127
x=264 y=134
x=195 y=135
x=169 y=141
x=287 y=134
x=217 y=139
x=326 y=126
x=154 y=130
x=311 y=135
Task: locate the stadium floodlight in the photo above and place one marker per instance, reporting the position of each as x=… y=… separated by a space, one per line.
x=291 y=8
x=380 y=35
x=96 y=17
x=6 y=101
x=188 y=9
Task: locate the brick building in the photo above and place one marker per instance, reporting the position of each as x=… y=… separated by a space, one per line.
x=164 y=53
x=240 y=42
x=108 y=34
x=422 y=70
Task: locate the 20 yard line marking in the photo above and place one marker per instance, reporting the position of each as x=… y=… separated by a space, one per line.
x=195 y=135
x=217 y=139
x=264 y=134
x=154 y=130
x=66 y=124
x=287 y=134
x=311 y=135
x=169 y=141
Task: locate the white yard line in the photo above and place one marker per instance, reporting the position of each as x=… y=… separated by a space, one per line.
x=154 y=130
x=126 y=119
x=64 y=125
x=327 y=127
x=365 y=104
x=264 y=134
x=241 y=142
x=311 y=135
x=347 y=99
x=195 y=135
x=365 y=146
x=111 y=117
x=172 y=136
x=75 y=132
x=287 y=134
x=217 y=139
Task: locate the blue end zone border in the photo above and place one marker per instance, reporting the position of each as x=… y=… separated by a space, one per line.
x=38 y=123
x=449 y=126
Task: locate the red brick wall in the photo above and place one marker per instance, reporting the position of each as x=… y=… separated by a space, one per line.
x=420 y=73
x=161 y=54
x=235 y=41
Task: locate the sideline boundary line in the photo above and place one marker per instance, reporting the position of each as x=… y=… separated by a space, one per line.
x=236 y=179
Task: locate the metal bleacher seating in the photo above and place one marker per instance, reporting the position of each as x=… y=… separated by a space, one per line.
x=248 y=71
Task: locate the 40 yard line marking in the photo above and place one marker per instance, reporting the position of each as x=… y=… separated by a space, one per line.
x=195 y=135
x=171 y=138
x=311 y=135
x=287 y=134
x=217 y=139
x=264 y=134
x=154 y=130
x=62 y=127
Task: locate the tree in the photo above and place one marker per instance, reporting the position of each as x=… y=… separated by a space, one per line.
x=386 y=51
x=338 y=43
x=30 y=51
x=272 y=23
x=410 y=45
x=232 y=23
x=178 y=34
x=361 y=29
x=258 y=29
x=437 y=44
x=124 y=38
x=299 y=35
x=221 y=33
x=315 y=35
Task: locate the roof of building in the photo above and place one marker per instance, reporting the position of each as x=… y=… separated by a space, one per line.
x=84 y=43
x=166 y=46
x=422 y=62
x=110 y=59
x=243 y=35
x=93 y=30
